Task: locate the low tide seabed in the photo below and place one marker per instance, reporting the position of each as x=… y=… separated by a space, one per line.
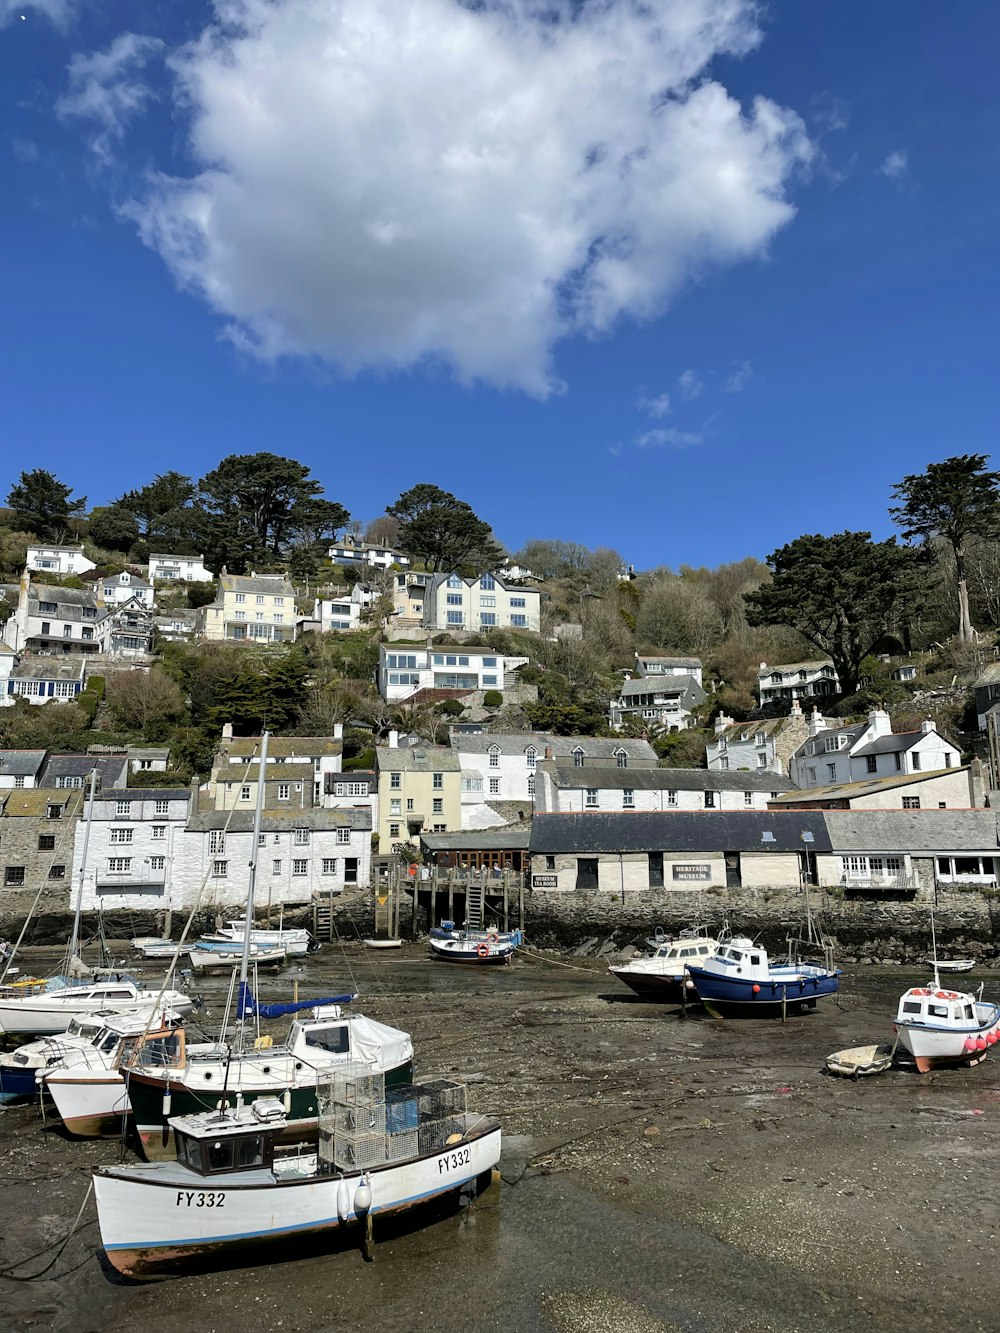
x=658 y=1175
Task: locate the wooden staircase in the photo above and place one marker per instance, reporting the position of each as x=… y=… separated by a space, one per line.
x=475 y=905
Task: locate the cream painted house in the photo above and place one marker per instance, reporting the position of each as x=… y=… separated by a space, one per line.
x=255 y=609
x=452 y=602
x=419 y=791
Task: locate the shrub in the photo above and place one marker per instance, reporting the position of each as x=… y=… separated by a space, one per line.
x=492 y=699
x=88 y=702
x=95 y=684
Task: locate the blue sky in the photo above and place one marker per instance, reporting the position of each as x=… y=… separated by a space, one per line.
x=747 y=364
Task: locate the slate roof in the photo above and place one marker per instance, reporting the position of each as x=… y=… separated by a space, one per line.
x=237 y=774
x=417 y=759
x=516 y=742
x=659 y=685
x=277 y=821
x=668 y=779
x=898 y=741
x=928 y=831
x=786 y=668
x=50 y=668
x=670 y=661
x=148 y=752
x=510 y=838
x=282 y=747
x=991 y=676
x=21 y=763
x=111 y=769
x=274 y=587
x=34 y=802
x=866 y=787
x=143 y=794
x=738 y=732
x=678 y=831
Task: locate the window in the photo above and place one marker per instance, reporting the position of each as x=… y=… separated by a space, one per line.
x=19 y=782
x=724 y=761
x=259 y=601
x=487 y=618
x=46 y=842
x=831 y=772
x=550 y=863
x=157 y=862
x=279 y=619
x=122 y=807
x=395 y=807
x=871 y=763
x=762 y=759
x=454 y=599
x=748 y=798
x=261 y=839
x=494 y=753
x=586 y=872
x=57 y=872
x=244 y=794
x=329 y=865
x=159 y=831
x=438 y=807
x=216 y=842
x=279 y=601
x=518 y=601
x=88 y=634
x=46 y=627
x=437 y=781
x=53 y=812
x=455 y=617
x=916 y=762
x=300 y=837
x=487 y=583
x=13 y=876
x=393 y=830
x=300 y=867
x=671 y=798
x=284 y=791
x=831 y=743
x=911 y=802
x=343 y=835
x=591 y=800
x=710 y=800
x=48 y=608
x=578 y=757
x=519 y=622
x=454 y=581
x=760 y=738
x=628 y=798
x=119 y=865
x=621 y=759
x=276 y=866
x=409 y=802
x=531 y=784
x=494 y=786
x=487 y=601
x=489 y=678
x=241 y=597
x=220 y=869
x=395 y=781
x=351 y=865
x=121 y=835
x=811 y=772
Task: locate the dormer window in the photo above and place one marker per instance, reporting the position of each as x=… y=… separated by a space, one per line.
x=621 y=758
x=454 y=581
x=531 y=756
x=494 y=753
x=578 y=757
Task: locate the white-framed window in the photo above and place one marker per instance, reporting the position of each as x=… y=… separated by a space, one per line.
x=276 y=866
x=395 y=781
x=911 y=802
x=241 y=597
x=157 y=862
x=531 y=784
x=531 y=756
x=591 y=801
x=284 y=791
x=487 y=582
x=578 y=757
x=279 y=601
x=159 y=831
x=628 y=798
x=19 y=782
x=329 y=865
x=343 y=836
x=724 y=761
x=220 y=869
x=409 y=802
x=244 y=793
x=300 y=867
x=519 y=622
x=260 y=600
x=119 y=865
x=440 y=828
x=671 y=798
x=710 y=800
x=748 y=798
x=621 y=759
x=396 y=806
x=438 y=806
x=259 y=615
x=241 y=615
x=487 y=601
x=494 y=753
x=121 y=835
x=300 y=837
x=437 y=781
x=216 y=842
x=494 y=786
x=123 y=807
x=831 y=772
x=393 y=830
x=161 y=807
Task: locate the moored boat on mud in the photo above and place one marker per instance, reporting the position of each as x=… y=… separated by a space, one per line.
x=740 y=979
x=476 y=946
x=944 y=1027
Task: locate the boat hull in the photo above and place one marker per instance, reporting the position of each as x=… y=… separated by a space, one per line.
x=48 y=1015
x=734 y=996
x=17 y=1085
x=159 y=1218
x=654 y=986
x=939 y=1047
x=92 y=1106
x=455 y=951
x=146 y=1095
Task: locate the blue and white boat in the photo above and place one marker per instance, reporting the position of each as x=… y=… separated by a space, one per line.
x=476 y=946
x=740 y=979
x=19 y=1068
x=945 y=1027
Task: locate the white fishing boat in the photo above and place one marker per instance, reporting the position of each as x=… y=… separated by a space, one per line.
x=382 y=944
x=54 y=1009
x=229 y=1190
x=945 y=1027
x=476 y=946
x=159 y=948
x=19 y=1068
x=952 y=964
x=87 y=1087
x=223 y=958
x=294 y=941
x=662 y=977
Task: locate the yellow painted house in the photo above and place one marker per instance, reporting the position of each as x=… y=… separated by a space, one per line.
x=259 y=608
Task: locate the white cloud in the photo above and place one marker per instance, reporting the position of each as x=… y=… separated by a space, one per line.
x=387 y=182
x=58 y=12
x=656 y=407
x=690 y=385
x=829 y=113
x=896 y=165
x=668 y=438
x=739 y=379
x=104 y=88
x=25 y=150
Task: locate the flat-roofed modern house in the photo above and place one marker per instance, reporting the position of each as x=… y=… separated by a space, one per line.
x=179 y=569
x=404 y=669
x=58 y=560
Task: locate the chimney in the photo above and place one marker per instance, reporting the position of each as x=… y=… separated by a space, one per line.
x=977 y=787
x=393 y=739
x=548 y=752
x=817 y=722
x=338 y=731
x=927 y=726
x=880 y=722
x=796 y=709
x=763 y=666
x=227 y=731
x=721 y=723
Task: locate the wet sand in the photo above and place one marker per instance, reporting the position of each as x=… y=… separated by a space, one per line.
x=658 y=1174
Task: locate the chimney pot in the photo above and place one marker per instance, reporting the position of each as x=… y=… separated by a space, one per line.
x=393 y=739
x=548 y=752
x=338 y=731
x=227 y=731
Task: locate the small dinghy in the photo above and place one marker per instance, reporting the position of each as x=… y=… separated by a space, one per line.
x=860 y=1061
x=382 y=944
x=953 y=964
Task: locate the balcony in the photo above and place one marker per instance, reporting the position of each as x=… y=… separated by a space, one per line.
x=879 y=883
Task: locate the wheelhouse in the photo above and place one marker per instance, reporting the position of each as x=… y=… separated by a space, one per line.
x=222 y=1142
x=937 y=1008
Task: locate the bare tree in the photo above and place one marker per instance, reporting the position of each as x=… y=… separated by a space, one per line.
x=143 y=701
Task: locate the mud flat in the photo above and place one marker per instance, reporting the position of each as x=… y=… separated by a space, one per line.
x=659 y=1175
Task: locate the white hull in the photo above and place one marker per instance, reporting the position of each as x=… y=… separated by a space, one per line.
x=931 y=1046
x=221 y=960
x=294 y=942
x=156 y=1216
x=52 y=1012
x=91 y=1104
x=383 y=944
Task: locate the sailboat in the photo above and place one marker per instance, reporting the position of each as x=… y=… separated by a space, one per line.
x=253 y=1066
x=50 y=1006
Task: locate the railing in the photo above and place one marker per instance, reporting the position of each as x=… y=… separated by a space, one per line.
x=879 y=882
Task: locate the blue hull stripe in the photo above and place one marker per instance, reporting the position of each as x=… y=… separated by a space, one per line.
x=454 y=1183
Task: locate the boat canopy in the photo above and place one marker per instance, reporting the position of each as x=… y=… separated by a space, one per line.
x=247 y=1005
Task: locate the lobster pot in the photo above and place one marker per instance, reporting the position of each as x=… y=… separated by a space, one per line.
x=357 y=1152
x=441 y=1107
x=351 y=1118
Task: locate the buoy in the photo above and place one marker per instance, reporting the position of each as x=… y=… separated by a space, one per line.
x=755 y=988
x=166 y=1102
x=991 y=1037
x=981 y=1044
x=969 y=1044
x=689 y=984
x=483 y=950
x=363 y=1196
x=343 y=1201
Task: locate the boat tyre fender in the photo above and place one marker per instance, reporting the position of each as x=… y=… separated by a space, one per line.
x=483 y=950
x=493 y=937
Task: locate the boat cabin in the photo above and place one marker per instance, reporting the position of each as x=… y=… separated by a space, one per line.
x=687 y=951
x=741 y=958
x=325 y=1031
x=162 y=1047
x=928 y=1007
x=221 y=1142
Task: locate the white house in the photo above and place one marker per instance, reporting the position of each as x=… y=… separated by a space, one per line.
x=133 y=846
x=56 y=620
x=19 y=769
x=452 y=602
x=559 y=788
x=403 y=670
x=342 y=613
x=58 y=560
x=148 y=758
x=298 y=767
x=767 y=744
x=117 y=589
x=43 y=679
x=796 y=680
x=852 y=753
x=179 y=569
x=655 y=667
x=357 y=554
x=502 y=766
x=8 y=661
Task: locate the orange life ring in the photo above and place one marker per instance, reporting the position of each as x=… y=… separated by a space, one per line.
x=493 y=937
x=483 y=950
x=941 y=995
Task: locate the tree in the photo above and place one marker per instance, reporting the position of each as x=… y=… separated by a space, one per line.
x=260 y=501
x=953 y=500
x=553 y=559
x=153 y=503
x=42 y=504
x=144 y=702
x=443 y=532
x=841 y=593
x=382 y=531
x=114 y=528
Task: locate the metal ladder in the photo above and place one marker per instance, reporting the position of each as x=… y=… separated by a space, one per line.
x=475 y=905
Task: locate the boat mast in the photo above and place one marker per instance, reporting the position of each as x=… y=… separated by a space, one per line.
x=934 y=958
x=75 y=937
x=254 y=854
